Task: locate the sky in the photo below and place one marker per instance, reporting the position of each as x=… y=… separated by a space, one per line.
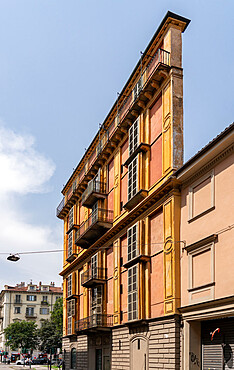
x=62 y=63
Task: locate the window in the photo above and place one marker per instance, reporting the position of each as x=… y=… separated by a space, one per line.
x=94 y=268
x=73 y=358
x=44 y=311
x=17 y=309
x=132 y=242
x=45 y=298
x=133 y=134
x=70 y=244
x=132 y=294
x=96 y=300
x=31 y=297
x=95 y=212
x=17 y=298
x=69 y=325
x=29 y=311
x=70 y=314
x=32 y=287
x=71 y=218
x=71 y=307
x=132 y=178
x=69 y=285
x=137 y=89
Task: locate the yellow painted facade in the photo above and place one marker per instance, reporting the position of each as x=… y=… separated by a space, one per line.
x=102 y=235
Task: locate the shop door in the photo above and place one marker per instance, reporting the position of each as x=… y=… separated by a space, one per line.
x=218 y=344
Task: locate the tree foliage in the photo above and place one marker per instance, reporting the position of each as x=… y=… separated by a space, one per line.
x=51 y=331
x=22 y=334
x=57 y=315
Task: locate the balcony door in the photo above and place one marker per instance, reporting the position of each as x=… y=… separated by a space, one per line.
x=94 y=266
x=96 y=305
x=94 y=212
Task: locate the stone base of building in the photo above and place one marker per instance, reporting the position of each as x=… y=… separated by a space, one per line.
x=148 y=344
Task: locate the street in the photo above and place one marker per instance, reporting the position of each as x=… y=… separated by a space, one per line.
x=20 y=367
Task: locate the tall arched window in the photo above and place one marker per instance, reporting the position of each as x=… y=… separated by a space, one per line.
x=73 y=358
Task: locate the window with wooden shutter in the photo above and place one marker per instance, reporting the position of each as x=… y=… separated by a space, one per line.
x=71 y=218
x=69 y=285
x=132 y=242
x=132 y=178
x=70 y=244
x=132 y=294
x=133 y=136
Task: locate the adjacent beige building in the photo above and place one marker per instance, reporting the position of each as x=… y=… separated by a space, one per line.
x=207 y=274
x=26 y=302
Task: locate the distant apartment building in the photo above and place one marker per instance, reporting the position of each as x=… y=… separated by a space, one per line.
x=121 y=213
x=26 y=302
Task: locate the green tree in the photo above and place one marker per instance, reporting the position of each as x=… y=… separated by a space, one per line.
x=57 y=315
x=49 y=337
x=22 y=334
x=51 y=331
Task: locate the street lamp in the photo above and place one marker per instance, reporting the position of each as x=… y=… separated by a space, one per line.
x=13 y=257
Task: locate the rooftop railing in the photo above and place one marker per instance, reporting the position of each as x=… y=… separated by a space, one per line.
x=160 y=58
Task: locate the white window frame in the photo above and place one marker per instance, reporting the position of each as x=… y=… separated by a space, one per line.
x=71 y=218
x=137 y=88
x=133 y=178
x=70 y=244
x=132 y=240
x=69 y=285
x=94 y=266
x=133 y=136
x=30 y=311
x=133 y=293
x=44 y=311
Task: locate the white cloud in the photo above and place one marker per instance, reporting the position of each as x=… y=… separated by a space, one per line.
x=25 y=171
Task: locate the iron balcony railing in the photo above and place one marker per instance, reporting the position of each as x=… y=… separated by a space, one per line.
x=93 y=187
x=100 y=215
x=161 y=58
x=94 y=321
x=60 y=206
x=96 y=273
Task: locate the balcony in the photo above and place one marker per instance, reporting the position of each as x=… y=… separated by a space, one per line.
x=95 y=190
x=94 y=276
x=30 y=315
x=95 y=322
x=152 y=78
x=44 y=303
x=94 y=227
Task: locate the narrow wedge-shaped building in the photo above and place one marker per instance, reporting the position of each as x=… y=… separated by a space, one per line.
x=121 y=212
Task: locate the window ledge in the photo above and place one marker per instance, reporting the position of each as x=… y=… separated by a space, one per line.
x=136 y=199
x=208 y=285
x=201 y=214
x=142 y=147
x=135 y=260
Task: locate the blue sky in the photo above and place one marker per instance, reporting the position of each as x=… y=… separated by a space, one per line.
x=61 y=66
